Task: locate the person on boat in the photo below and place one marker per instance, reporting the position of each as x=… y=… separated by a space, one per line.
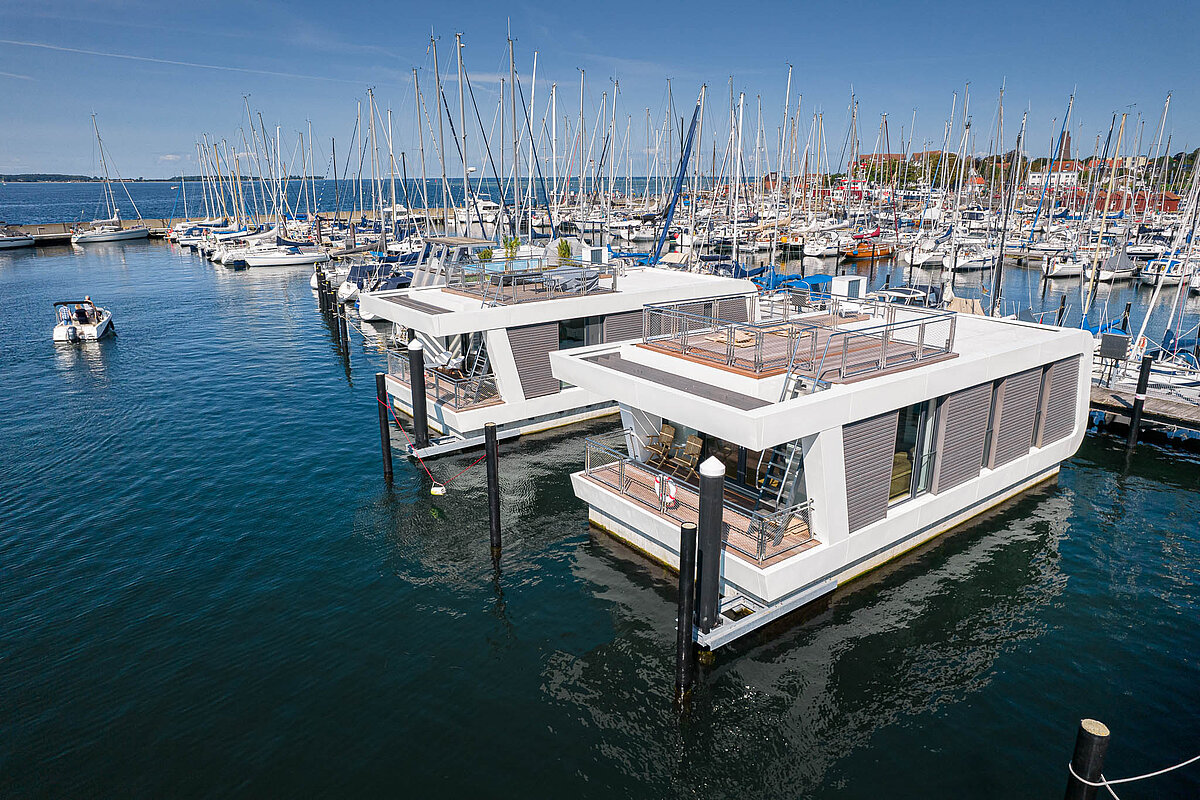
x=80 y=315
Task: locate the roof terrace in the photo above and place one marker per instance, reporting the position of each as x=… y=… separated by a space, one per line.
x=822 y=338
x=525 y=280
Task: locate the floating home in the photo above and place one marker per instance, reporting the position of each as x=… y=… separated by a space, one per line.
x=487 y=331
x=850 y=431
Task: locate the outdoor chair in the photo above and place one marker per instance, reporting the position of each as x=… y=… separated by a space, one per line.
x=661 y=443
x=688 y=457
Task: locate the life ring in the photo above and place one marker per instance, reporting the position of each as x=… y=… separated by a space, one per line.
x=665 y=488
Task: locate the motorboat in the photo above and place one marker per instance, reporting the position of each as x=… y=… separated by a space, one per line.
x=80 y=321
x=284 y=256
x=11 y=238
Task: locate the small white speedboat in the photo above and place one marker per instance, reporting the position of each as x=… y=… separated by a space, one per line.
x=80 y=321
x=11 y=238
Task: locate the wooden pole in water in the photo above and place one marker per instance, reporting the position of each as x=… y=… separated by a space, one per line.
x=416 y=378
x=1139 y=400
x=685 y=645
x=491 y=449
x=708 y=571
x=1087 y=761
x=382 y=405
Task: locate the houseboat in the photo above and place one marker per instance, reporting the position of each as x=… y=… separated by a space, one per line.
x=486 y=330
x=849 y=431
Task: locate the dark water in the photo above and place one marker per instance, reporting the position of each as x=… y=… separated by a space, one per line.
x=207 y=590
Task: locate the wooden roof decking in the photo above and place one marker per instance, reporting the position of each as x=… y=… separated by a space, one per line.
x=739 y=538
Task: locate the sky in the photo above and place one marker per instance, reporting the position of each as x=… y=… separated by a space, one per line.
x=159 y=75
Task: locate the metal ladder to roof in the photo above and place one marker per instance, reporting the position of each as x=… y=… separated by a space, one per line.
x=780 y=468
x=480 y=364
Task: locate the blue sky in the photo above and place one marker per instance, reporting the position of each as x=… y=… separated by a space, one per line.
x=302 y=61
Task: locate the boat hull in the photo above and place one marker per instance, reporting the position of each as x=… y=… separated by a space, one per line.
x=125 y=234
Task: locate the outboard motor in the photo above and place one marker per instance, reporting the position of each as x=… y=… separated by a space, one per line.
x=72 y=334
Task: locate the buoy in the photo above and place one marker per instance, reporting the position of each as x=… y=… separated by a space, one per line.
x=437 y=489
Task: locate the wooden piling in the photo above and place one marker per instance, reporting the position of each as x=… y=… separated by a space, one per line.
x=382 y=405
x=491 y=449
x=1139 y=400
x=1091 y=742
x=685 y=644
x=708 y=569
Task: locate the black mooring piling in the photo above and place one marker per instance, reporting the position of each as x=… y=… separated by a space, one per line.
x=1062 y=311
x=416 y=377
x=1125 y=317
x=685 y=643
x=708 y=561
x=1139 y=400
x=491 y=450
x=1087 y=761
x=382 y=405
x=344 y=329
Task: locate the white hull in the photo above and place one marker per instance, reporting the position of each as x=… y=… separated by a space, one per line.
x=13 y=242
x=84 y=332
x=283 y=259
x=111 y=235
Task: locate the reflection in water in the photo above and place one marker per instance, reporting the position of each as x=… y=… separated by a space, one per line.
x=821 y=684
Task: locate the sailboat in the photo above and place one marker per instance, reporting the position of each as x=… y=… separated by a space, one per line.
x=110 y=229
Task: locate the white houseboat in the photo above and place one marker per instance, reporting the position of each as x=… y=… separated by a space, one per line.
x=849 y=431
x=487 y=330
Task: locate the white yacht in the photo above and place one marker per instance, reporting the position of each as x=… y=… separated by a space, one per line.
x=80 y=321
x=848 y=431
x=11 y=238
x=111 y=228
x=487 y=330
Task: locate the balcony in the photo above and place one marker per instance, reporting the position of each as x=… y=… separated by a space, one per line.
x=820 y=338
x=762 y=538
x=455 y=392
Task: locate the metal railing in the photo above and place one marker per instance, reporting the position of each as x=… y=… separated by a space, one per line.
x=757 y=535
x=815 y=336
x=524 y=280
x=459 y=394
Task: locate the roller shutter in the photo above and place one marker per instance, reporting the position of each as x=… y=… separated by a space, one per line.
x=868 y=446
x=531 y=349
x=1016 y=411
x=962 y=432
x=1059 y=396
x=733 y=309
x=622 y=326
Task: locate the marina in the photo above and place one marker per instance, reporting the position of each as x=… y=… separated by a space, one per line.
x=541 y=438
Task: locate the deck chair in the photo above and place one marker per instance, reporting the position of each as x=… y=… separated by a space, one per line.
x=687 y=457
x=661 y=443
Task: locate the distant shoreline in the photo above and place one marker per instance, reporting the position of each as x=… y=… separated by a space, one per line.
x=37 y=177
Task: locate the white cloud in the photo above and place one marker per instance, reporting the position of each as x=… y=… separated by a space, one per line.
x=169 y=158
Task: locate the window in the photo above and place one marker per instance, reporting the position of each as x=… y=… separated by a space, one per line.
x=912 y=458
x=991 y=425
x=580 y=332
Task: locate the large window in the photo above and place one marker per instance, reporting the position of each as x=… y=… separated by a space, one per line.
x=580 y=332
x=912 y=459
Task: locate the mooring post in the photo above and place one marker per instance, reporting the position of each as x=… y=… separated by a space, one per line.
x=344 y=329
x=320 y=290
x=382 y=405
x=1125 y=317
x=708 y=568
x=491 y=450
x=1088 y=759
x=685 y=644
x=1062 y=311
x=1139 y=400
x=416 y=380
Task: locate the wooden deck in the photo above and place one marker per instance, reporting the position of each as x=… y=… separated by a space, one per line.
x=1159 y=409
x=737 y=536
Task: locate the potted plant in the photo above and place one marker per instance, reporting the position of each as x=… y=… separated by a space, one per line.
x=564 y=251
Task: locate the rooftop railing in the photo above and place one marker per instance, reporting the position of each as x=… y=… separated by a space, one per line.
x=458 y=393
x=820 y=337
x=757 y=535
x=524 y=280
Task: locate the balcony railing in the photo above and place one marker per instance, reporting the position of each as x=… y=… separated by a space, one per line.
x=756 y=535
x=820 y=337
x=525 y=280
x=458 y=393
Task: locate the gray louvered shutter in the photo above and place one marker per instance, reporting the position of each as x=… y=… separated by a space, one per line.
x=869 y=446
x=1058 y=400
x=962 y=431
x=1016 y=413
x=531 y=348
x=733 y=309
x=622 y=326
